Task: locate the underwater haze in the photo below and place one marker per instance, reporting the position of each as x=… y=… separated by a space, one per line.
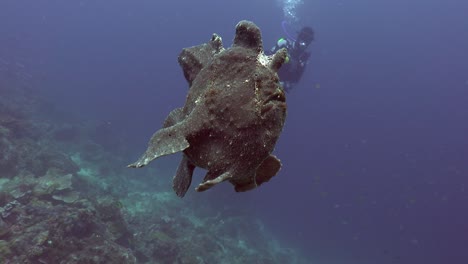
x=374 y=150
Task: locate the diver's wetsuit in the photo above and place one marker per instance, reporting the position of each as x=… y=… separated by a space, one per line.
x=291 y=72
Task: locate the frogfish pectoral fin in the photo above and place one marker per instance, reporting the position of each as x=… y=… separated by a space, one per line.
x=164 y=142
x=267 y=169
x=183 y=177
x=211 y=180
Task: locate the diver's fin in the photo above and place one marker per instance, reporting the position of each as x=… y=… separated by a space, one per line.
x=174 y=117
x=183 y=177
x=267 y=169
x=212 y=178
x=165 y=141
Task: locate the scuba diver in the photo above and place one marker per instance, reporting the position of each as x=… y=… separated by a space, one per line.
x=291 y=72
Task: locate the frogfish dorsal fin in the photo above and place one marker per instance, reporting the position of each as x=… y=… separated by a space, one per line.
x=248 y=36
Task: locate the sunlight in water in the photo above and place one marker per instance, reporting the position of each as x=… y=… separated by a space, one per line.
x=290 y=9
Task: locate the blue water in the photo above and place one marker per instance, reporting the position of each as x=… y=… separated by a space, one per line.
x=375 y=147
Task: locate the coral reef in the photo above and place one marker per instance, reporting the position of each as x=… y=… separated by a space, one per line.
x=181 y=235
x=56 y=230
x=66 y=198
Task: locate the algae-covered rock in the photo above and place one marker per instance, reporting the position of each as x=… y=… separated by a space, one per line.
x=4 y=228
x=67 y=196
x=52 y=181
x=5 y=250
x=46 y=159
